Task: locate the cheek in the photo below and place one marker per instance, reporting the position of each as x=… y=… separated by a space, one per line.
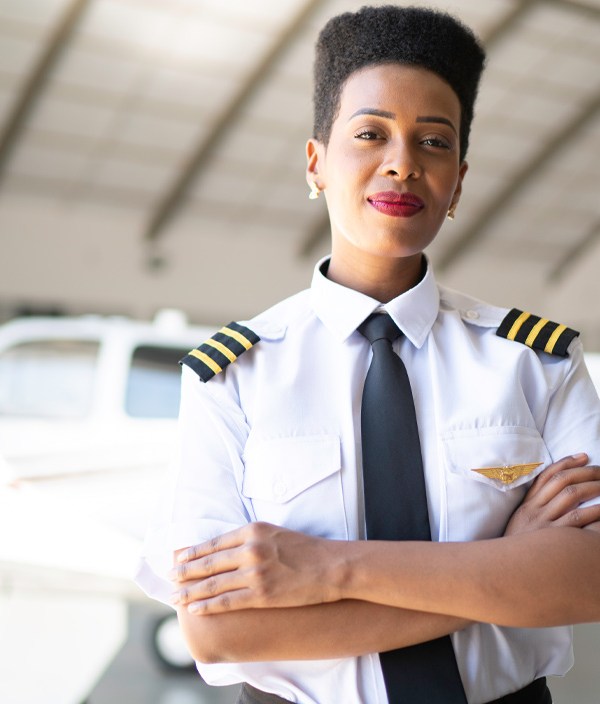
x=445 y=186
x=352 y=168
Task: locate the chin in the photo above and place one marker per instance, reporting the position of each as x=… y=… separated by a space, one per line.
x=398 y=247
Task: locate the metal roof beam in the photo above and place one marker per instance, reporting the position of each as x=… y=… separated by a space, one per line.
x=556 y=144
x=172 y=198
x=37 y=78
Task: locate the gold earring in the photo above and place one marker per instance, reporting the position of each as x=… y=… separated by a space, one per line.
x=314 y=191
x=451 y=211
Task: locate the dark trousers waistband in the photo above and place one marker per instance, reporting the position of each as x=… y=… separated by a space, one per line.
x=535 y=693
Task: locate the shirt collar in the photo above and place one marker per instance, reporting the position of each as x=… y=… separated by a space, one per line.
x=343 y=309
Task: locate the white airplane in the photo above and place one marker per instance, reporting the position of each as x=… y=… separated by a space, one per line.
x=88 y=412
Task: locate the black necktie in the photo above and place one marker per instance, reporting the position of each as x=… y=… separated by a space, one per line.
x=396 y=509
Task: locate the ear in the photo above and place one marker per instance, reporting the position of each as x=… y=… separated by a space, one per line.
x=315 y=163
x=462 y=170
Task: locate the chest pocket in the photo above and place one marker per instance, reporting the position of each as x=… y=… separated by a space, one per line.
x=479 y=504
x=296 y=482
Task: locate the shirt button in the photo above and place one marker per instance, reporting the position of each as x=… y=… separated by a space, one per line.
x=279 y=489
x=472 y=314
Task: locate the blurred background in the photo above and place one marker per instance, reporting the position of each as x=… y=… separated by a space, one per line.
x=151 y=189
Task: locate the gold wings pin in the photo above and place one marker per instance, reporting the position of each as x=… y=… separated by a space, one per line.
x=508 y=473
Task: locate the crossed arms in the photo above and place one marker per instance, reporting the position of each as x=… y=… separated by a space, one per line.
x=262 y=592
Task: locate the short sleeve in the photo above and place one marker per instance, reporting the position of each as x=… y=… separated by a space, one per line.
x=201 y=496
x=573 y=419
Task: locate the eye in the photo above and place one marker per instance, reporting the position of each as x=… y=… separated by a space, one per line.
x=437 y=142
x=367 y=134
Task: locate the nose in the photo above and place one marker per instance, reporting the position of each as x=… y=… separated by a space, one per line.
x=401 y=161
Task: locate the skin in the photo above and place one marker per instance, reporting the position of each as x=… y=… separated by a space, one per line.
x=262 y=592
x=284 y=587
x=369 y=153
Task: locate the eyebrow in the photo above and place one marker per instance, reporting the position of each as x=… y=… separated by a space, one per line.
x=374 y=111
x=436 y=118
x=392 y=116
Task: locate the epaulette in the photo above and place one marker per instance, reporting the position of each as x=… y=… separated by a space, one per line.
x=537 y=333
x=224 y=347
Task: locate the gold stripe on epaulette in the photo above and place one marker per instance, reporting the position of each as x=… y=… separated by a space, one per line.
x=554 y=338
x=237 y=336
x=517 y=325
x=222 y=349
x=535 y=330
x=210 y=363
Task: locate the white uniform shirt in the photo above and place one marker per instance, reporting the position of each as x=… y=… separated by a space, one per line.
x=276 y=437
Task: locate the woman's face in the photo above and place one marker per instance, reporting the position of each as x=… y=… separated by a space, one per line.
x=391 y=169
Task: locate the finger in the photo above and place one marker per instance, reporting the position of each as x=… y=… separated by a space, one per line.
x=223 y=603
x=562 y=465
x=220 y=542
x=209 y=588
x=580 y=517
x=207 y=566
x=571 y=497
x=563 y=486
x=255 y=531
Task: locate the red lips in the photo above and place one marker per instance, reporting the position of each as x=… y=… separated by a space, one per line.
x=403 y=205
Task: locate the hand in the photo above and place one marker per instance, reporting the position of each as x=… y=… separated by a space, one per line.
x=257 y=566
x=555 y=496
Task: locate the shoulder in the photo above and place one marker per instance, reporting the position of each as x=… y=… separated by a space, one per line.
x=513 y=324
x=472 y=310
x=235 y=339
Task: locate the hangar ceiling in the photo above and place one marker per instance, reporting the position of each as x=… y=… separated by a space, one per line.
x=152 y=155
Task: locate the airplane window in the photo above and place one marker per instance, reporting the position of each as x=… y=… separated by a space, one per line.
x=153 y=383
x=48 y=378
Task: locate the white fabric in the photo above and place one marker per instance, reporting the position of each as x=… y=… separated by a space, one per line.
x=276 y=437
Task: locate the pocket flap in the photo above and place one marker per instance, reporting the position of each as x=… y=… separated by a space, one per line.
x=506 y=457
x=278 y=470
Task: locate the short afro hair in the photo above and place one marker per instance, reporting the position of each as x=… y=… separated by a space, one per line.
x=413 y=36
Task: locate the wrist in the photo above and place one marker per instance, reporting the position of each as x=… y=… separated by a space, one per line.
x=342 y=569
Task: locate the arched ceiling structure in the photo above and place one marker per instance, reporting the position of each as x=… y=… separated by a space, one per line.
x=152 y=155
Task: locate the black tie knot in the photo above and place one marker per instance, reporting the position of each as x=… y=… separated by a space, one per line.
x=379 y=326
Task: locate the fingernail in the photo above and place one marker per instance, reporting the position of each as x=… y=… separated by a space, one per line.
x=174 y=599
x=580 y=456
x=173 y=575
x=182 y=557
x=194 y=608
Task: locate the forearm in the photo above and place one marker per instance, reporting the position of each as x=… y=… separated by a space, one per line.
x=335 y=630
x=544 y=572
x=543 y=578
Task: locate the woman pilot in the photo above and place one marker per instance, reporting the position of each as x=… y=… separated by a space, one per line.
x=271 y=501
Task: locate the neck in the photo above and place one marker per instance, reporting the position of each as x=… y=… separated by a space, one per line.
x=380 y=278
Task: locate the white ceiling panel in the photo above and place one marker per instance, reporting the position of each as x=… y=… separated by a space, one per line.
x=71 y=117
x=117 y=173
x=205 y=90
x=139 y=25
x=48 y=163
x=264 y=14
x=17 y=54
x=556 y=19
x=92 y=70
x=35 y=12
x=142 y=128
